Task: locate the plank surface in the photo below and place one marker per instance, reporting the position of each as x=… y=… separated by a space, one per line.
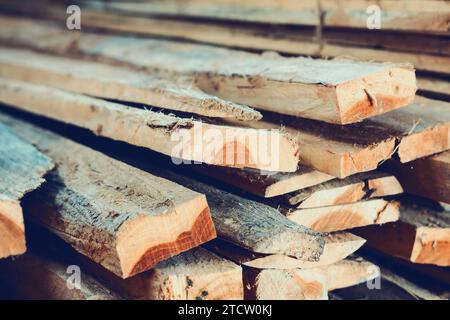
x=290 y=284
x=416 y=131
x=349 y=272
x=422 y=235
x=411 y=15
x=286 y=11
x=267 y=184
x=181 y=138
x=364 y=46
x=345 y=216
x=397 y=281
x=377 y=45
x=307 y=284
x=352 y=189
x=295 y=86
x=397 y=14
x=337 y=247
x=435 y=86
x=193 y=275
x=119 y=216
x=22 y=168
x=117 y=83
x=427 y=177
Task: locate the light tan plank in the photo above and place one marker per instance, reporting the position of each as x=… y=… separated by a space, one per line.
x=422 y=235
x=295 y=86
x=180 y=138
x=345 y=216
x=117 y=83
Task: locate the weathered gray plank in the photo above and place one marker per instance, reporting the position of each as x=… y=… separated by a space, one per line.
x=22 y=168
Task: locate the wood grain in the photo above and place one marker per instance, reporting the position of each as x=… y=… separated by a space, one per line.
x=294 y=86
x=337 y=247
x=345 y=216
x=352 y=189
x=422 y=235
x=119 y=216
x=427 y=177
x=412 y=132
x=184 y=139
x=117 y=83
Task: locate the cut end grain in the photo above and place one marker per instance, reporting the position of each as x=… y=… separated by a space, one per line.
x=376 y=93
x=296 y=284
x=201 y=231
x=12 y=229
x=432 y=246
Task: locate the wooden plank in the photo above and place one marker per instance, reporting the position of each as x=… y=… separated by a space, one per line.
x=352 y=189
x=397 y=15
x=436 y=86
x=22 y=168
x=279 y=284
x=295 y=86
x=300 y=41
x=422 y=235
x=196 y=274
x=424 y=62
x=438 y=278
x=181 y=138
x=388 y=41
x=259 y=228
x=145 y=21
x=117 y=215
x=247 y=223
x=307 y=284
x=397 y=280
x=193 y=275
x=392 y=287
x=35 y=277
x=117 y=83
x=373 y=46
x=267 y=184
x=288 y=40
x=416 y=131
x=427 y=177
x=345 y=216
x=277 y=277
x=411 y=15
x=349 y=272
x=285 y=12
x=237 y=34
x=337 y=247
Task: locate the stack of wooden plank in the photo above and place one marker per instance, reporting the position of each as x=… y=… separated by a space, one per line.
x=319 y=28
x=163 y=168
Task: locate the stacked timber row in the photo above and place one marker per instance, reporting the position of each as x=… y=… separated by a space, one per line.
x=169 y=169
